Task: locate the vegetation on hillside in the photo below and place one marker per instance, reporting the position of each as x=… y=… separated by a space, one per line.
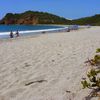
x=93 y=20
x=35 y=17
x=31 y=17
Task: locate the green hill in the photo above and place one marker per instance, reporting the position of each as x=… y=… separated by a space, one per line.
x=31 y=17
x=93 y=20
x=35 y=17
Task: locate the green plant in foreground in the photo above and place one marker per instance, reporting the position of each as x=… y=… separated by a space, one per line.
x=97 y=59
x=93 y=79
x=85 y=84
x=98 y=50
x=93 y=76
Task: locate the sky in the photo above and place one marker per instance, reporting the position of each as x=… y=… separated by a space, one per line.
x=71 y=9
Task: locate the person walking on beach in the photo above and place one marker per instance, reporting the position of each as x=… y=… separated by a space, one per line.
x=17 y=34
x=11 y=34
x=68 y=29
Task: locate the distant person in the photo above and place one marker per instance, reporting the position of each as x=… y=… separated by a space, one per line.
x=88 y=26
x=11 y=35
x=75 y=27
x=68 y=29
x=17 y=34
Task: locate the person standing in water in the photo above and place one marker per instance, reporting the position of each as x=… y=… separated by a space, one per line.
x=17 y=34
x=11 y=34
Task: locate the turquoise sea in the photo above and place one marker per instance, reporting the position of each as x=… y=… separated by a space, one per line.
x=26 y=29
x=8 y=28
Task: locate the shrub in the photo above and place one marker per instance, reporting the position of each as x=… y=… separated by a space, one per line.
x=93 y=76
x=93 y=79
x=95 y=60
x=98 y=50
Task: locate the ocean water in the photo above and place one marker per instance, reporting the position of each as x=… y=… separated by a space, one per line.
x=26 y=29
x=8 y=28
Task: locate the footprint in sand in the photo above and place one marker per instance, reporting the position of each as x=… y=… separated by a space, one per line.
x=12 y=94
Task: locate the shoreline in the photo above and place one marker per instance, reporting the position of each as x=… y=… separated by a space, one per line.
x=41 y=31
x=34 y=31
x=33 y=34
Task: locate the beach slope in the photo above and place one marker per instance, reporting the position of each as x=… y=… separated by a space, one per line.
x=47 y=66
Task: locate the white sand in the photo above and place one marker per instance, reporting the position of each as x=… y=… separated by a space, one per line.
x=56 y=58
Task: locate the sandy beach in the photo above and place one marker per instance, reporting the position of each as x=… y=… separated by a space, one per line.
x=47 y=66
